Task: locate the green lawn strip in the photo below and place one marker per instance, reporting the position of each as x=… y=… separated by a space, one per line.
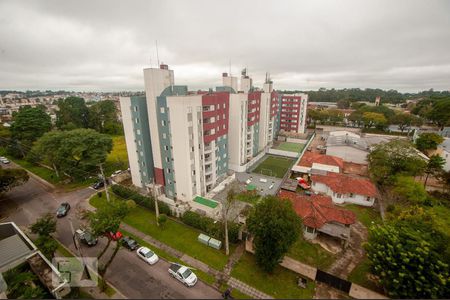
x=360 y=275
x=248 y=197
x=66 y=253
x=292 y=147
x=44 y=173
x=118 y=158
x=278 y=165
x=174 y=234
x=281 y=284
x=311 y=254
x=366 y=215
x=235 y=293
x=209 y=279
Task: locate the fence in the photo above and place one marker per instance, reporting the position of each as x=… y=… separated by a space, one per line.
x=283 y=153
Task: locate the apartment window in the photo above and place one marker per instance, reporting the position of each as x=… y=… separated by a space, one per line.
x=139 y=143
x=168 y=171
x=224 y=105
x=166 y=148
x=137 y=120
x=144 y=173
x=351 y=195
x=141 y=153
x=135 y=108
x=193 y=172
x=161 y=109
x=192 y=149
x=163 y=123
x=138 y=131
x=164 y=135
x=167 y=159
x=223 y=126
x=223 y=116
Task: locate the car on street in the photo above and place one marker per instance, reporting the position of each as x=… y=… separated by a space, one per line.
x=86 y=237
x=183 y=274
x=129 y=243
x=98 y=185
x=62 y=210
x=147 y=255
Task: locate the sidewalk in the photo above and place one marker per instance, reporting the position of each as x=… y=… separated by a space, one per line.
x=246 y=289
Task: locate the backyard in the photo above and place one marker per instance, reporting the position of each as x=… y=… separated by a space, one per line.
x=118 y=158
x=282 y=283
x=174 y=234
x=275 y=166
x=292 y=147
x=311 y=254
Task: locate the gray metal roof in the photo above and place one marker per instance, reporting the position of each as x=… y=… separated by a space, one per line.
x=13 y=248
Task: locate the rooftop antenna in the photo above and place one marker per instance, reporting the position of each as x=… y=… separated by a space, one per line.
x=157 y=55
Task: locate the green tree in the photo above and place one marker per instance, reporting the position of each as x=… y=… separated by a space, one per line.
x=428 y=141
x=29 y=123
x=10 y=178
x=334 y=116
x=21 y=285
x=434 y=166
x=316 y=115
x=76 y=152
x=72 y=113
x=105 y=220
x=104 y=117
x=356 y=118
x=371 y=119
x=343 y=103
x=405 y=121
x=440 y=112
x=395 y=157
x=275 y=227
x=47 y=245
x=408 y=254
x=407 y=190
x=44 y=226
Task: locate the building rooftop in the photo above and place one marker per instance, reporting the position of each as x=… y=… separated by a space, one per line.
x=316 y=210
x=14 y=245
x=344 y=184
x=309 y=158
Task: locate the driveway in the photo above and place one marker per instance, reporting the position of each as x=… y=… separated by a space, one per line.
x=133 y=278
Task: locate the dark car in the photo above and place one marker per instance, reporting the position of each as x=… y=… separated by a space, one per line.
x=62 y=210
x=129 y=243
x=86 y=237
x=98 y=185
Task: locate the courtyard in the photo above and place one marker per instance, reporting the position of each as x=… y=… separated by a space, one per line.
x=273 y=166
x=291 y=147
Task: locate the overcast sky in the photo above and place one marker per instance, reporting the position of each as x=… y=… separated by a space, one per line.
x=104 y=45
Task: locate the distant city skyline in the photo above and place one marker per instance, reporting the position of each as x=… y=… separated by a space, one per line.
x=305 y=45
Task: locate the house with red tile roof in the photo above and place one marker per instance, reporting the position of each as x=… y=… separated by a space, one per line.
x=314 y=162
x=320 y=215
x=345 y=189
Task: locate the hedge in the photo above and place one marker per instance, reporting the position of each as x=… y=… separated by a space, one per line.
x=147 y=202
x=208 y=226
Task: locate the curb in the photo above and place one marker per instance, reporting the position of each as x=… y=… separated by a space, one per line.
x=41 y=180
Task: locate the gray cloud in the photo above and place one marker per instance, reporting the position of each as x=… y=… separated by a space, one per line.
x=104 y=45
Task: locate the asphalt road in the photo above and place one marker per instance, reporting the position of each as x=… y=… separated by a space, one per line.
x=132 y=276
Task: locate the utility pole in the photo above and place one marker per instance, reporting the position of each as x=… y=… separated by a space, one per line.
x=156 y=202
x=105 y=183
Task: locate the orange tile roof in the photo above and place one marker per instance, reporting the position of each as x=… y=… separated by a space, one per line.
x=310 y=157
x=316 y=210
x=344 y=184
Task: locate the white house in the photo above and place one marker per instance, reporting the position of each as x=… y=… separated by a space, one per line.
x=345 y=189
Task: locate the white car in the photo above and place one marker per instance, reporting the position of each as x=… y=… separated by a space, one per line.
x=4 y=160
x=116 y=173
x=147 y=255
x=183 y=274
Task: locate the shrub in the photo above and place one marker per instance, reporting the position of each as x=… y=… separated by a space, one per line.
x=144 y=201
x=99 y=194
x=208 y=226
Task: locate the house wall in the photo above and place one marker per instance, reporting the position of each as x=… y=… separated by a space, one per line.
x=342 y=198
x=349 y=154
x=329 y=168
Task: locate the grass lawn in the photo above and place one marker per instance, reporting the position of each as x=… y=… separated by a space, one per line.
x=249 y=197
x=366 y=215
x=281 y=284
x=274 y=166
x=311 y=254
x=174 y=234
x=235 y=293
x=292 y=147
x=360 y=275
x=118 y=158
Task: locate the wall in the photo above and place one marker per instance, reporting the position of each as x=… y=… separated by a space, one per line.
x=298 y=141
x=237 y=131
x=345 y=198
x=283 y=153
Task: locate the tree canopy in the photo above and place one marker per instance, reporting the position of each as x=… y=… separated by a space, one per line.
x=428 y=141
x=29 y=123
x=405 y=121
x=275 y=227
x=10 y=178
x=75 y=152
x=395 y=157
x=104 y=117
x=72 y=113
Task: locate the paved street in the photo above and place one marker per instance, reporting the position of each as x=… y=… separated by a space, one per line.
x=132 y=276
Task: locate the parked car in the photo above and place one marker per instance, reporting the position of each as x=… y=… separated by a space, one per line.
x=183 y=274
x=129 y=243
x=147 y=255
x=98 y=185
x=4 y=160
x=62 y=210
x=86 y=237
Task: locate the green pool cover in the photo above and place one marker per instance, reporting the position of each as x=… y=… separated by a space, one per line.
x=251 y=187
x=206 y=202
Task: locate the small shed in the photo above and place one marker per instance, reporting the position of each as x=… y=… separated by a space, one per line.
x=216 y=244
x=203 y=238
